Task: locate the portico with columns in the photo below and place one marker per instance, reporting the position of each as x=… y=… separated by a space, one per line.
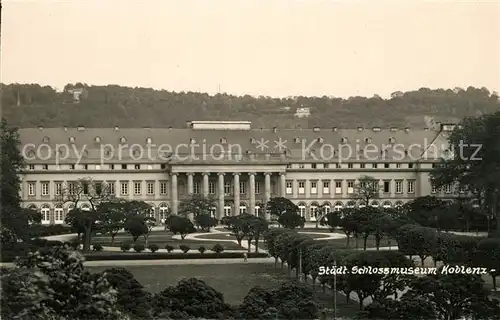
x=235 y=185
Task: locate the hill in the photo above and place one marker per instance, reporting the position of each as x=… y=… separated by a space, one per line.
x=31 y=105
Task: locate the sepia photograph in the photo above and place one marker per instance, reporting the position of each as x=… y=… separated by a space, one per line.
x=246 y=159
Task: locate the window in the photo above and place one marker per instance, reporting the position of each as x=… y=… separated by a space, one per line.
x=338 y=187
x=31 y=189
x=326 y=187
x=124 y=188
x=196 y=187
x=111 y=166
x=45 y=167
x=410 y=165
x=399 y=186
x=150 y=188
x=374 y=166
x=313 y=210
x=447 y=188
x=387 y=186
x=85 y=188
x=314 y=187
x=289 y=187
x=137 y=188
x=137 y=167
x=124 y=166
x=362 y=165
x=163 y=188
x=411 y=186
x=398 y=165
x=257 y=187
x=326 y=165
x=461 y=189
x=301 y=187
x=313 y=165
x=58 y=215
x=338 y=166
x=98 y=188
x=150 y=167
x=45 y=188
x=288 y=165
x=386 y=165
x=211 y=187
x=58 y=189
x=301 y=166
x=338 y=206
x=72 y=167
x=85 y=167
x=72 y=188
x=163 y=212
x=163 y=166
x=302 y=210
x=227 y=188
x=45 y=214
x=111 y=187
x=32 y=167
x=350 y=187
x=349 y=165
x=434 y=189
x=98 y=167
x=242 y=188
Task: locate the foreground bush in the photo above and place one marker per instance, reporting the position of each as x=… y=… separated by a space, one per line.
x=97 y=247
x=218 y=248
x=125 y=247
x=169 y=248
x=139 y=247
x=153 y=247
x=168 y=256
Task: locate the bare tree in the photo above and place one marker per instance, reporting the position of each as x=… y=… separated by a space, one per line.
x=84 y=191
x=367 y=189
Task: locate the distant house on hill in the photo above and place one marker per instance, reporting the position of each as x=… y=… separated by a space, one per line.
x=75 y=95
x=302 y=112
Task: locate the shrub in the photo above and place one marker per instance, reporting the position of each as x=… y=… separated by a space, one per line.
x=97 y=247
x=184 y=248
x=125 y=247
x=169 y=248
x=218 y=248
x=201 y=249
x=139 y=247
x=168 y=256
x=153 y=247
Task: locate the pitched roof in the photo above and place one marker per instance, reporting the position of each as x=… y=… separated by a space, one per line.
x=298 y=144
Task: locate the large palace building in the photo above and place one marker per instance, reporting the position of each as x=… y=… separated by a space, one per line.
x=239 y=166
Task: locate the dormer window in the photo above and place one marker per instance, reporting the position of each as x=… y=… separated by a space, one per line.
x=149 y=141
x=368 y=140
x=71 y=139
x=343 y=140
x=135 y=151
x=97 y=140
x=321 y=140
x=392 y=140
x=223 y=141
x=253 y=141
x=296 y=140
x=123 y=140
x=45 y=139
x=192 y=141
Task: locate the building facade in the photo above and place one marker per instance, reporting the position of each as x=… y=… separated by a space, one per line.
x=239 y=167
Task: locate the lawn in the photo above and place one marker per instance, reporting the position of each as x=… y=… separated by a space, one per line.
x=162 y=239
x=227 y=236
x=233 y=280
x=370 y=243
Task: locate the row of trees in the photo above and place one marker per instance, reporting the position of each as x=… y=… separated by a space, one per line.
x=246 y=226
x=427 y=297
x=53 y=284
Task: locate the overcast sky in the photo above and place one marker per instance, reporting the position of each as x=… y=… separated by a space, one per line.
x=257 y=47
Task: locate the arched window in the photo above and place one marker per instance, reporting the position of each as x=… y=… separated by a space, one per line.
x=326 y=208
x=302 y=209
x=32 y=207
x=45 y=214
x=213 y=212
x=387 y=204
x=351 y=204
x=243 y=208
x=58 y=214
x=45 y=140
x=97 y=140
x=151 y=213
x=375 y=204
x=475 y=203
x=399 y=204
x=71 y=139
x=313 y=211
x=85 y=207
x=257 y=211
x=227 y=209
x=163 y=212
x=338 y=206
x=123 y=140
x=361 y=205
x=149 y=141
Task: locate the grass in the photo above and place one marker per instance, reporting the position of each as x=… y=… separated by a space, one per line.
x=370 y=243
x=162 y=239
x=218 y=236
x=233 y=280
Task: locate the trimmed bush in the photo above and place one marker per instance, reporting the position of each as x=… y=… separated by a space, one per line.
x=125 y=247
x=153 y=247
x=99 y=256
x=169 y=248
x=97 y=247
x=218 y=248
x=201 y=249
x=184 y=248
x=139 y=247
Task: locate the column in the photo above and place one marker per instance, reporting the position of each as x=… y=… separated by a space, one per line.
x=174 y=192
x=220 y=184
x=236 y=194
x=251 y=207
x=267 y=183
x=190 y=183
x=205 y=184
x=282 y=184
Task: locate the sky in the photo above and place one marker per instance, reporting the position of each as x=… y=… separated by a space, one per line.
x=257 y=47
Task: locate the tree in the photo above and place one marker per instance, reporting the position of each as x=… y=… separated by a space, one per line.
x=332 y=220
x=366 y=190
x=196 y=205
x=488 y=256
x=424 y=210
x=205 y=221
x=136 y=226
x=113 y=217
x=473 y=161
x=259 y=226
x=292 y=220
x=90 y=192
x=279 y=205
x=57 y=286
x=180 y=225
x=349 y=225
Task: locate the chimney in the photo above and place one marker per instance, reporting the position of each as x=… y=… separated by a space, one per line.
x=407 y=129
x=81 y=128
x=360 y=128
x=117 y=128
x=316 y=129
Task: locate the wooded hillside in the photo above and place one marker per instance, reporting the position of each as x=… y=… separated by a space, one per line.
x=31 y=105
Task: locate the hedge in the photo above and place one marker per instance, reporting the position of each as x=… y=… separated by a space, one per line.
x=51 y=230
x=168 y=256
